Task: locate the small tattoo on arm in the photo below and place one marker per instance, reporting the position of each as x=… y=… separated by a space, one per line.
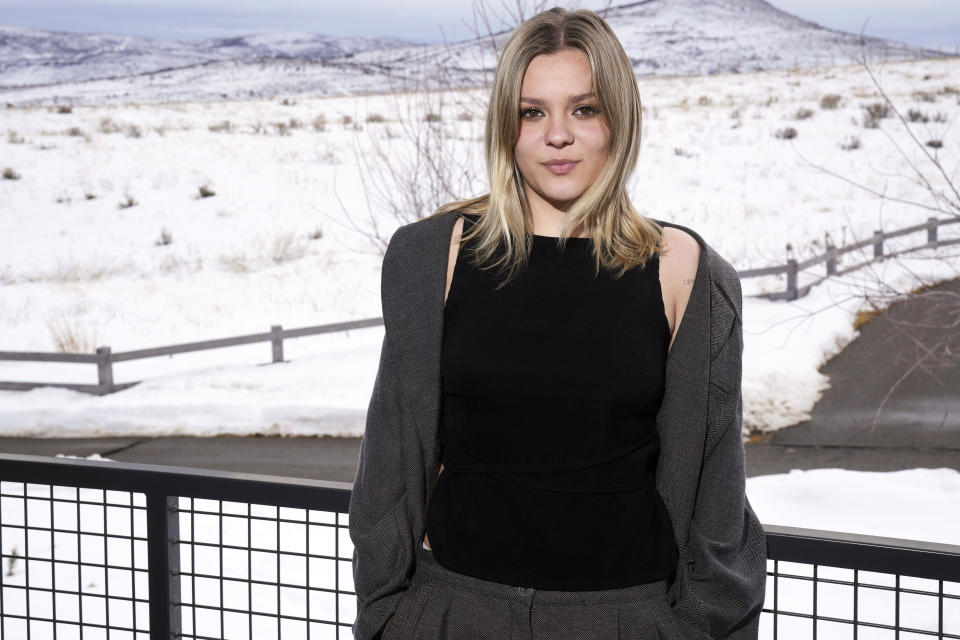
x=688 y=280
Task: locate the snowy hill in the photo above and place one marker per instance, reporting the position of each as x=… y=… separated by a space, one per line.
x=30 y=57
x=662 y=37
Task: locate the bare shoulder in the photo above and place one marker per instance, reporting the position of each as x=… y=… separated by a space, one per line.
x=679 y=258
x=454 y=249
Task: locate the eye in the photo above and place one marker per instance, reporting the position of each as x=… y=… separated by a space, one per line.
x=592 y=110
x=524 y=112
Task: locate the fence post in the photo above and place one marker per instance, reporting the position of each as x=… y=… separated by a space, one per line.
x=932 y=230
x=792 y=279
x=831 y=258
x=105 y=370
x=277 y=341
x=877 y=244
x=163 y=566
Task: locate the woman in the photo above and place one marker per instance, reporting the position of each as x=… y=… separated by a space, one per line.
x=553 y=448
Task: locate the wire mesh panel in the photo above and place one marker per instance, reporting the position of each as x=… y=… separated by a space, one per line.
x=831 y=603
x=163 y=552
x=74 y=563
x=109 y=550
x=261 y=572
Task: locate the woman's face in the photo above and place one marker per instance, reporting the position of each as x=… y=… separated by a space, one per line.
x=560 y=119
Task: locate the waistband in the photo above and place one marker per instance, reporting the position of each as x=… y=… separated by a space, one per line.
x=457 y=460
x=430 y=567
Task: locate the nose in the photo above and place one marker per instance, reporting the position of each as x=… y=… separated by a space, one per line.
x=558 y=133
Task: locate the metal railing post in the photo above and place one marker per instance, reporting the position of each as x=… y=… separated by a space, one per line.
x=163 y=565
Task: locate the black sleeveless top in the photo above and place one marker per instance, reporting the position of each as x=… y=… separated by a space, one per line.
x=551 y=386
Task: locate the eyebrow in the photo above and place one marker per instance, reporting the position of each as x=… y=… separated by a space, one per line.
x=577 y=98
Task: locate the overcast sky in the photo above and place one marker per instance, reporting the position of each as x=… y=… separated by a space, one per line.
x=923 y=22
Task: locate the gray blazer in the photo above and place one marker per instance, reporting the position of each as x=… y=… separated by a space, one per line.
x=721 y=575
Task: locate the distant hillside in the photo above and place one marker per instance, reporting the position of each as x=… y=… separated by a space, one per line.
x=33 y=56
x=662 y=37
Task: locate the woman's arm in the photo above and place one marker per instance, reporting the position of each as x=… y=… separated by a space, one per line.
x=726 y=542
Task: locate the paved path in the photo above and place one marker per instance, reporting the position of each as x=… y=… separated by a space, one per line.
x=919 y=427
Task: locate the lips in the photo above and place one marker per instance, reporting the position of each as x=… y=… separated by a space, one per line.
x=561 y=166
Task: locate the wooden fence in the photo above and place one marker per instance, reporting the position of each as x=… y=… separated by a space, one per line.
x=104 y=357
x=829 y=257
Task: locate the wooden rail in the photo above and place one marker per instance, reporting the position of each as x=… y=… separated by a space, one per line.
x=793 y=268
x=104 y=357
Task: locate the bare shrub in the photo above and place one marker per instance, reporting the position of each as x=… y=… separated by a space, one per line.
x=346 y=120
x=107 y=125
x=850 y=143
x=915 y=115
x=71 y=335
x=802 y=113
x=432 y=117
x=786 y=133
x=13 y=137
x=287 y=246
x=320 y=123
x=10 y=174
x=932 y=326
x=165 y=237
x=224 y=126
x=924 y=96
x=704 y=101
x=133 y=131
x=873 y=113
x=206 y=191
x=294 y=123
x=830 y=101
x=65 y=108
x=75 y=131
x=128 y=202
x=237 y=262
x=375 y=118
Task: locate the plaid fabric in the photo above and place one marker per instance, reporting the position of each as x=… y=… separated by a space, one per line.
x=721 y=574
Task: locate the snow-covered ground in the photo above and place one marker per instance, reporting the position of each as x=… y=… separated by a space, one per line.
x=918 y=499
x=72 y=262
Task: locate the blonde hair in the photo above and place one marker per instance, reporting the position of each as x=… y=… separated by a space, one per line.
x=622 y=238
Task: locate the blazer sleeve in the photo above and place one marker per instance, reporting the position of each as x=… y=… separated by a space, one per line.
x=378 y=514
x=727 y=545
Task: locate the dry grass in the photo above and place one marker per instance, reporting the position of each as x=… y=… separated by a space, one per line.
x=287 y=246
x=69 y=335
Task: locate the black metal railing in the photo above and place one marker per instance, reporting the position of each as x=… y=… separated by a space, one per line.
x=844 y=585
x=102 y=549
